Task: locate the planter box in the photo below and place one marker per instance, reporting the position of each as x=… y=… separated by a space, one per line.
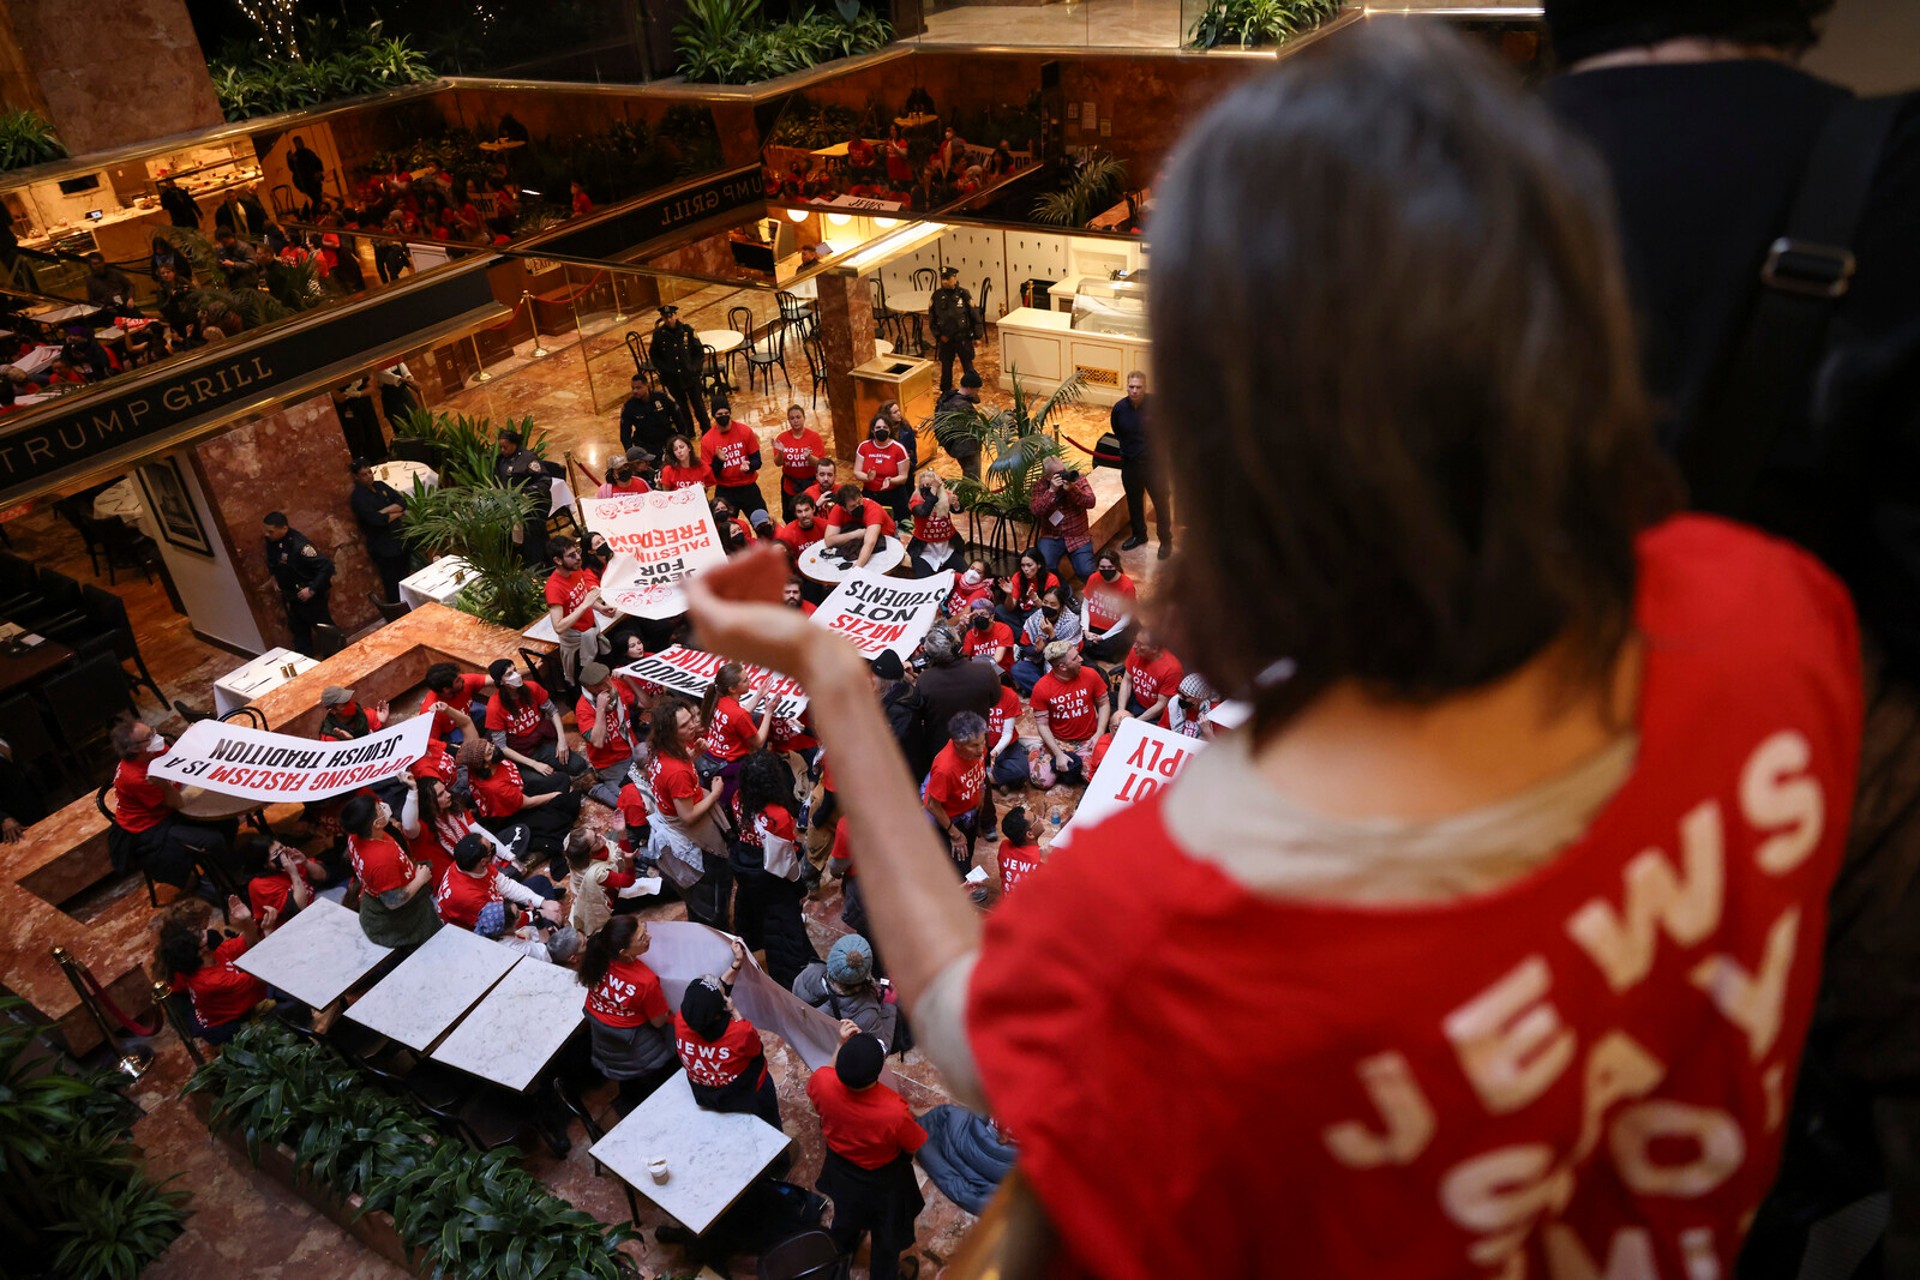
x=374 y=1230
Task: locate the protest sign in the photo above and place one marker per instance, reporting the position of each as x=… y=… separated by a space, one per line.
x=690 y=671
x=280 y=768
x=657 y=539
x=1141 y=759
x=879 y=613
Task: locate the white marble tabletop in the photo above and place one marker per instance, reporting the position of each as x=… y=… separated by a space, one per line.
x=888 y=554
x=711 y=1156
x=315 y=956
x=261 y=676
x=439 y=583
x=432 y=988
x=401 y=474
x=513 y=1033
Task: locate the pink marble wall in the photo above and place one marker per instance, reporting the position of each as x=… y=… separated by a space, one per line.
x=293 y=460
x=846 y=339
x=144 y=78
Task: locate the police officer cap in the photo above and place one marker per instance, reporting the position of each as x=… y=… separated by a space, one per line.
x=948 y=273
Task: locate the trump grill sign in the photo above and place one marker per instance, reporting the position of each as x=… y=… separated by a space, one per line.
x=657 y=539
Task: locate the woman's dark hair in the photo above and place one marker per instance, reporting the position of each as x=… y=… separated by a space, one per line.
x=600 y=951
x=725 y=680
x=510 y=698
x=430 y=810
x=251 y=851
x=180 y=949
x=1435 y=455
x=764 y=781
x=668 y=460
x=665 y=734
x=356 y=816
x=580 y=848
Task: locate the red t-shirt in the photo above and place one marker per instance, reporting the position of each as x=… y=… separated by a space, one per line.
x=499 y=794
x=997 y=636
x=963 y=596
x=1001 y=714
x=462 y=700
x=629 y=996
x=633 y=485
x=871 y=512
x=954 y=784
x=633 y=807
x=435 y=762
x=698 y=477
x=1025 y=596
x=1153 y=679
x=1587 y=1064
x=1017 y=862
x=798 y=457
x=728 y=453
x=524 y=724
x=871 y=1126
x=569 y=591
x=619 y=744
x=718 y=1063
x=730 y=730
x=1071 y=708
x=269 y=891
x=796 y=539
x=380 y=864
x=673 y=779
x=881 y=462
x=933 y=529
x=220 y=990
x=139 y=803
x=1108 y=602
x=458 y=897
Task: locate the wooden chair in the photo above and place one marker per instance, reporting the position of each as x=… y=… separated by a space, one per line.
x=390 y=610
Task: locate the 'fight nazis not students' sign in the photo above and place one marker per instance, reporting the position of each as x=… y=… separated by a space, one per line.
x=879 y=613
x=258 y=765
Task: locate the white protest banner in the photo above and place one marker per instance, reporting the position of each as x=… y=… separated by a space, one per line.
x=278 y=767
x=879 y=613
x=690 y=671
x=1140 y=760
x=682 y=951
x=657 y=539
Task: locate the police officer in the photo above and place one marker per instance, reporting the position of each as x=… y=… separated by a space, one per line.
x=964 y=447
x=378 y=508
x=647 y=418
x=950 y=316
x=677 y=358
x=517 y=468
x=305 y=577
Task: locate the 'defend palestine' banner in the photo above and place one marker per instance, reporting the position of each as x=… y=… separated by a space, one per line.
x=1140 y=760
x=879 y=613
x=690 y=671
x=657 y=539
x=278 y=767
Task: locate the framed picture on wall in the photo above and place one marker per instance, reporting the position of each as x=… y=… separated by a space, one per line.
x=172 y=506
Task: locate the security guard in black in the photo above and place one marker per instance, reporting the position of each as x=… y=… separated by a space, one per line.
x=305 y=576
x=677 y=357
x=950 y=316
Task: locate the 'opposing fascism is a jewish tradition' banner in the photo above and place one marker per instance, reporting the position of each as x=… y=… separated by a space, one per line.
x=280 y=768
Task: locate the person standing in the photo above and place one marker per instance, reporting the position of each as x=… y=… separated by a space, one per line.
x=309 y=172
x=883 y=468
x=305 y=578
x=961 y=445
x=950 y=316
x=951 y=684
x=1139 y=477
x=870 y=1138
x=519 y=468
x=627 y=1034
x=677 y=358
x=647 y=418
x=800 y=450
x=731 y=451
x=182 y=209
x=379 y=508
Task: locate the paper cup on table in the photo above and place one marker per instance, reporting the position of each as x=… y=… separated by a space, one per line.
x=657 y=1169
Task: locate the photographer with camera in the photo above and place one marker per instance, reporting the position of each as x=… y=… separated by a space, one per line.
x=1060 y=504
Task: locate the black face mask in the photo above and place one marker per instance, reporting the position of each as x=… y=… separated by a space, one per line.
x=1050 y=613
x=882 y=436
x=982 y=622
x=1109 y=574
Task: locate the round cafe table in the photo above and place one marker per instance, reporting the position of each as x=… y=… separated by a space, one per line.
x=910 y=301
x=401 y=475
x=888 y=554
x=723 y=342
x=198 y=802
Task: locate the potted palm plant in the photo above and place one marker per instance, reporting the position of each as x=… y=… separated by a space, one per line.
x=1013 y=444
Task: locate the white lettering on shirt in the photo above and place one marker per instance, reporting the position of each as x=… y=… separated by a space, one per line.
x=1510 y=1041
x=1657 y=899
x=1390 y=1085
x=1771 y=798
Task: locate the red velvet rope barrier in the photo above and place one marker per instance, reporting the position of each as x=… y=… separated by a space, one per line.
x=114 y=1011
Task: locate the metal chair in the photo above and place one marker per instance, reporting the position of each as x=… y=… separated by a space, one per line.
x=740 y=320
x=811 y=1255
x=106 y=811
x=795 y=312
x=570 y=1098
x=714 y=380
x=764 y=355
x=390 y=610
x=980 y=308
x=252 y=716
x=327 y=640
x=642 y=357
x=108 y=612
x=816 y=364
x=923 y=278
x=885 y=317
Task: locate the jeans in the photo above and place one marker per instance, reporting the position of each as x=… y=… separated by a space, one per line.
x=1052 y=549
x=1026 y=673
x=1013 y=768
x=611 y=778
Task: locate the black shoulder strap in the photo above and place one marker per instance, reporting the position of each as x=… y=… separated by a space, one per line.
x=1806 y=272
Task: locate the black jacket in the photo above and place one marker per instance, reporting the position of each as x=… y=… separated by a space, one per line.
x=383 y=532
x=676 y=351
x=295 y=562
x=950 y=314
x=647 y=423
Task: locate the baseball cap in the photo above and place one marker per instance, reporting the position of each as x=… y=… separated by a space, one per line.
x=333 y=696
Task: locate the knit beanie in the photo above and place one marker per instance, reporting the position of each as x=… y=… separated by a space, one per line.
x=858 y=1064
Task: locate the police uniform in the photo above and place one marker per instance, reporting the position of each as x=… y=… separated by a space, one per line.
x=384 y=545
x=677 y=358
x=295 y=563
x=647 y=422
x=950 y=316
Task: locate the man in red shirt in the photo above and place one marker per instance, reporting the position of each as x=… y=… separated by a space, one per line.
x=987 y=635
x=220 y=995
x=956 y=786
x=1019 y=853
x=157 y=839
x=826 y=479
x=573 y=604
x=800 y=450
x=1106 y=610
x=604 y=716
x=1149 y=681
x=793 y=595
x=732 y=452
x=804 y=528
x=870 y=1138
x=856 y=520
x=472 y=881
x=456 y=700
x=1070 y=709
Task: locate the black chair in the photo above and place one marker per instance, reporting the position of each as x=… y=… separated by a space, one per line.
x=107 y=613
x=71 y=510
x=808 y=1256
x=816 y=364
x=569 y=1094
x=740 y=320
x=34 y=751
x=124 y=548
x=19 y=585
x=84 y=702
x=547 y=669
x=327 y=640
x=390 y=610
x=923 y=278
x=106 y=811
x=794 y=311
x=415 y=449
x=979 y=308
x=888 y=320
x=61 y=593
x=253 y=717
x=764 y=355
x=714 y=380
x=642 y=357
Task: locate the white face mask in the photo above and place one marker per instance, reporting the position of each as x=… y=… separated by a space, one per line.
x=511 y=679
x=156 y=744
x=971 y=577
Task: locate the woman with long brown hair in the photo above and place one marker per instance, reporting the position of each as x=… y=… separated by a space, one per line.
x=685 y=832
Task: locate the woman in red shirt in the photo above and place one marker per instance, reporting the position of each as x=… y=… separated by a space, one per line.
x=279 y=878
x=505 y=796
x=219 y=994
x=767 y=863
x=524 y=723
x=734 y=729
x=884 y=470
x=682 y=467
x=1022 y=591
x=686 y=832
x=396 y=898
x=1537 y=782
x=800 y=450
x=626 y=1012
x=725 y=1060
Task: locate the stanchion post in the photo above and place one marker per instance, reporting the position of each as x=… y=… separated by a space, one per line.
x=482 y=375
x=133 y=1062
x=539 y=351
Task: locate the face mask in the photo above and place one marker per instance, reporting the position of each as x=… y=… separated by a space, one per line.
x=347 y=710
x=972 y=578
x=511 y=679
x=1051 y=613
x=1109 y=574
x=982 y=622
x=882 y=436
x=156 y=744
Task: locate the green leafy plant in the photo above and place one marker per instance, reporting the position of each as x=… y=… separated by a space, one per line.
x=1093 y=183
x=27 y=139
x=333 y=61
x=73 y=1199
x=728 y=41
x=1014 y=442
x=1252 y=23
x=465 y=1214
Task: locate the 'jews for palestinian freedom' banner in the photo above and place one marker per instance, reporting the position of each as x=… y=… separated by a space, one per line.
x=280 y=768
x=657 y=539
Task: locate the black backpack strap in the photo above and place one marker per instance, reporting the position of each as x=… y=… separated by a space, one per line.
x=1806 y=273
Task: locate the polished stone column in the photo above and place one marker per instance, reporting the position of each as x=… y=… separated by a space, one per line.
x=846 y=339
x=107 y=76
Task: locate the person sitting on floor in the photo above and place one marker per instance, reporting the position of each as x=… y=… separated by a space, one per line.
x=524 y=723
x=219 y=994
x=503 y=793
x=279 y=878
x=475 y=879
